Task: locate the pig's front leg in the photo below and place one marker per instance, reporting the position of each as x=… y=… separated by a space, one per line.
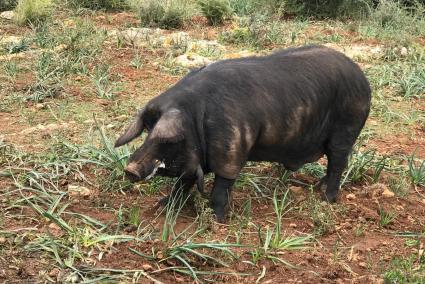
x=220 y=196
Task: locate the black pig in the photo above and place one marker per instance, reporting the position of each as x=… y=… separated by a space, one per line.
x=290 y=107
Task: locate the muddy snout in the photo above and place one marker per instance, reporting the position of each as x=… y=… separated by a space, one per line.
x=136 y=172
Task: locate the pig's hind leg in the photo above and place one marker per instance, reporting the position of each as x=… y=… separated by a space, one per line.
x=220 y=196
x=337 y=152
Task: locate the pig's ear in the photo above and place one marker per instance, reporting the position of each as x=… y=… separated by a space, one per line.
x=135 y=129
x=169 y=127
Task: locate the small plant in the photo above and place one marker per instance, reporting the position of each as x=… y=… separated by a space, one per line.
x=214 y=10
x=365 y=165
x=133 y=217
x=322 y=215
x=99 y=4
x=416 y=170
x=137 y=61
x=386 y=218
x=280 y=209
x=162 y=13
x=399 y=185
x=17 y=47
x=405 y=270
x=7 y=5
x=47 y=83
x=11 y=69
x=413 y=85
x=101 y=80
x=391 y=20
x=33 y=11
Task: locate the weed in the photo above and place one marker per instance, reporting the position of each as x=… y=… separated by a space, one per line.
x=7 y=5
x=244 y=7
x=322 y=215
x=133 y=217
x=170 y=66
x=163 y=14
x=260 y=31
x=386 y=218
x=33 y=11
x=405 y=270
x=109 y=5
x=399 y=185
x=328 y=8
x=416 y=170
x=214 y=10
x=48 y=83
x=390 y=20
x=11 y=69
x=413 y=85
x=313 y=169
x=280 y=208
x=188 y=253
x=17 y=47
x=359 y=231
x=205 y=213
x=104 y=88
x=137 y=61
x=364 y=166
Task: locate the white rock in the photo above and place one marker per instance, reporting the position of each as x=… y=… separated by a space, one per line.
x=10 y=39
x=192 y=60
x=351 y=196
x=387 y=193
x=77 y=190
x=8 y=15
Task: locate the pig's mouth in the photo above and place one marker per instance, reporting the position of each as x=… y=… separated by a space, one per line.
x=158 y=164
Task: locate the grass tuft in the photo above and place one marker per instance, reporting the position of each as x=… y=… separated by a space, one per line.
x=33 y=12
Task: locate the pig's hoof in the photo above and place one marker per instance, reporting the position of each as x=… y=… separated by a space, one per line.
x=330 y=197
x=220 y=216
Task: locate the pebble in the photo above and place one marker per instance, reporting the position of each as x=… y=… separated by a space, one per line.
x=8 y=15
x=387 y=193
x=350 y=196
x=77 y=190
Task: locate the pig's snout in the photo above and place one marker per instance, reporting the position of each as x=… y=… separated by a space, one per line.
x=132 y=172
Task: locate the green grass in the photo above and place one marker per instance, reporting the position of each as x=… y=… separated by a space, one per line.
x=416 y=170
x=386 y=218
x=409 y=269
x=33 y=12
x=214 y=10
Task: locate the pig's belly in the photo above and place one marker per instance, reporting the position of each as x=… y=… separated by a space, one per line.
x=291 y=158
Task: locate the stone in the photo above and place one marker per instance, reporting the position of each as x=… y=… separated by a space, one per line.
x=7 y=15
x=77 y=190
x=192 y=60
x=350 y=196
x=297 y=190
x=147 y=267
x=387 y=193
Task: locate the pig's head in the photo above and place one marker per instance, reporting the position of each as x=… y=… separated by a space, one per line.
x=163 y=149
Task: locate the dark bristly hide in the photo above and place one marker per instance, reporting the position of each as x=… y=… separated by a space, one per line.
x=291 y=107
